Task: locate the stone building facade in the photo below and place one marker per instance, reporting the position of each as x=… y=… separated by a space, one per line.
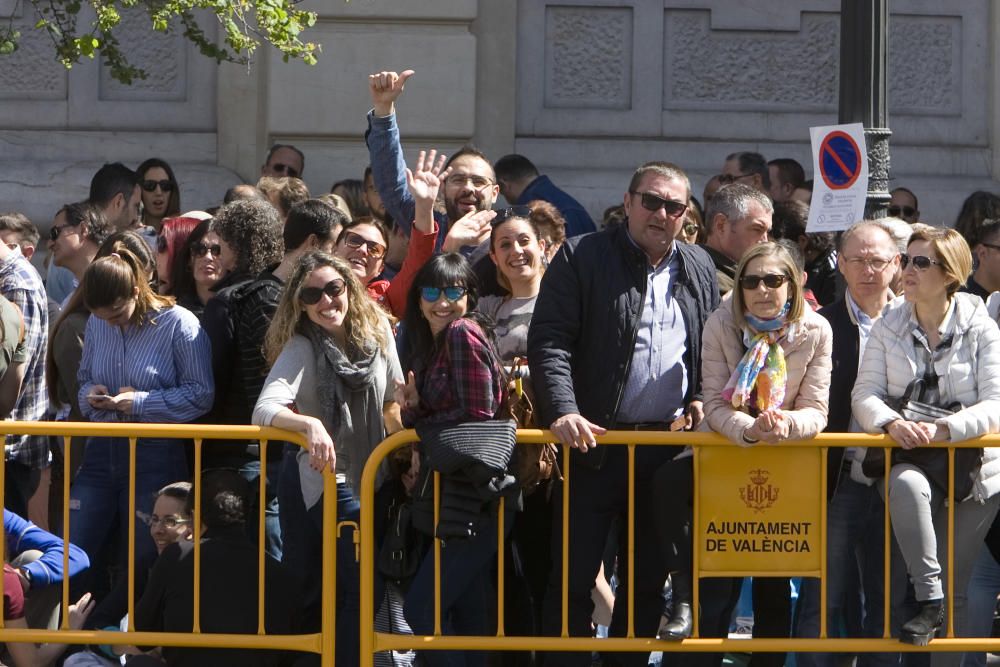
x=587 y=89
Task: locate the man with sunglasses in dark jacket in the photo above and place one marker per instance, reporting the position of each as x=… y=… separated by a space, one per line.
x=615 y=343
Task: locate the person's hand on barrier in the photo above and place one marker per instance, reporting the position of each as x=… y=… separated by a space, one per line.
x=771 y=426
x=386 y=88
x=321 y=449
x=406 y=395
x=472 y=229
x=909 y=435
x=575 y=431
x=80 y=610
x=695 y=413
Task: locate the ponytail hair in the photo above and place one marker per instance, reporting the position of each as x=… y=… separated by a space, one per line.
x=121 y=275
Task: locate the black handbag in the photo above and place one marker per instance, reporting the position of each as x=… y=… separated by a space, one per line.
x=918 y=404
x=403 y=546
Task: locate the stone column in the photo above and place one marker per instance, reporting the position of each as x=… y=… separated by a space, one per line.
x=864 y=36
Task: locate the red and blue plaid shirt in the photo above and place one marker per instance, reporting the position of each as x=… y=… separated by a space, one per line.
x=462 y=382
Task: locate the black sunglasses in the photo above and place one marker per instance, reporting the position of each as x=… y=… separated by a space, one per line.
x=728 y=179
x=452 y=293
x=654 y=203
x=504 y=214
x=161 y=244
x=901 y=211
x=771 y=281
x=149 y=185
x=202 y=249
x=56 y=230
x=919 y=262
x=285 y=169
x=376 y=250
x=310 y=296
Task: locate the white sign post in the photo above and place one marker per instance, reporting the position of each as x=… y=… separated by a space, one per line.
x=840 y=177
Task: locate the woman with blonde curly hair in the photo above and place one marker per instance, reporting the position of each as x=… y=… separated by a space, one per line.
x=334 y=362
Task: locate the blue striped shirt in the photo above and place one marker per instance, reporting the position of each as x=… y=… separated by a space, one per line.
x=167 y=360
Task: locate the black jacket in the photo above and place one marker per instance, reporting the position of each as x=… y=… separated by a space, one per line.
x=846 y=349
x=586 y=318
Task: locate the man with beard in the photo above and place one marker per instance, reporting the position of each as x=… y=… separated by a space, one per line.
x=470 y=187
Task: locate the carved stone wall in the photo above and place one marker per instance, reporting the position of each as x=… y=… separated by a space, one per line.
x=693 y=80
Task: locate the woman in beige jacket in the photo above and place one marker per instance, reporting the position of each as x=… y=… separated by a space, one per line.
x=765 y=378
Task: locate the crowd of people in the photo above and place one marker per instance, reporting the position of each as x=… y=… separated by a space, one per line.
x=410 y=299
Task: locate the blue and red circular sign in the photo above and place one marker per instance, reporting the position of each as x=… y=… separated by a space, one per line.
x=839 y=160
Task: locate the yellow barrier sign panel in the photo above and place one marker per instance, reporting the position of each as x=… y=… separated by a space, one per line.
x=760 y=509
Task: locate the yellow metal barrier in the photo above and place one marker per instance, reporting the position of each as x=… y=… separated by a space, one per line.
x=373 y=642
x=321 y=643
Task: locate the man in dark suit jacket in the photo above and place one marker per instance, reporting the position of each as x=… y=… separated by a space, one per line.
x=868 y=259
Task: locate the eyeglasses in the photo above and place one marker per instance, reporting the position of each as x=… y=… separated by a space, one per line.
x=376 y=250
x=310 y=296
x=902 y=211
x=690 y=228
x=919 y=262
x=458 y=180
x=285 y=169
x=169 y=522
x=771 y=281
x=511 y=212
x=161 y=244
x=990 y=245
x=202 y=249
x=452 y=293
x=654 y=203
x=57 y=230
x=876 y=264
x=150 y=185
x=726 y=179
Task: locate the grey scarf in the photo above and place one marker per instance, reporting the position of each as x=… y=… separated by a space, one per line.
x=352 y=407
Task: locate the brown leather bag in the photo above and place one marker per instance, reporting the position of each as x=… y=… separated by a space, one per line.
x=536 y=462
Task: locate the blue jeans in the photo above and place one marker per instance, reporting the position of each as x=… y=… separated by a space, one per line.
x=250 y=471
x=99 y=495
x=855 y=520
x=302 y=557
x=467 y=592
x=984 y=586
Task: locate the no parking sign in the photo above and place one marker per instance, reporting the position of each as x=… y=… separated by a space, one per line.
x=840 y=166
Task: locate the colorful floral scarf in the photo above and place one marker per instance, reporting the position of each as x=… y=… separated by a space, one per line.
x=762 y=367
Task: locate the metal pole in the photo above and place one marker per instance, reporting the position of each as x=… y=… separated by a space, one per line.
x=864 y=36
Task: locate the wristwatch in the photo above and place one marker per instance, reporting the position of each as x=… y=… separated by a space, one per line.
x=748 y=440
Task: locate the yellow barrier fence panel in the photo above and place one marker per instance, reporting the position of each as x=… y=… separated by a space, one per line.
x=758 y=511
x=321 y=643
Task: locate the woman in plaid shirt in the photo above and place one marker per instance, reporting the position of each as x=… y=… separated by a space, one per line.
x=454 y=376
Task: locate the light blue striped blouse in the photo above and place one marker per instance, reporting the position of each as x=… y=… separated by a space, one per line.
x=167 y=360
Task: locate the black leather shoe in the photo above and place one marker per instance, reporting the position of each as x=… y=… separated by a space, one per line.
x=679 y=625
x=922 y=628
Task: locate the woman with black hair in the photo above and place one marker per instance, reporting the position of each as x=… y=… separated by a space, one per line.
x=454 y=377
x=161 y=194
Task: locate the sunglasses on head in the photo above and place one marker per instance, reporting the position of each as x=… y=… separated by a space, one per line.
x=285 y=169
x=161 y=244
x=150 y=185
x=901 y=211
x=376 y=250
x=452 y=293
x=654 y=203
x=919 y=261
x=771 y=281
x=504 y=214
x=310 y=296
x=202 y=249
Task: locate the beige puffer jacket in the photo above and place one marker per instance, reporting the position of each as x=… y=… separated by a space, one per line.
x=969 y=372
x=807 y=348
